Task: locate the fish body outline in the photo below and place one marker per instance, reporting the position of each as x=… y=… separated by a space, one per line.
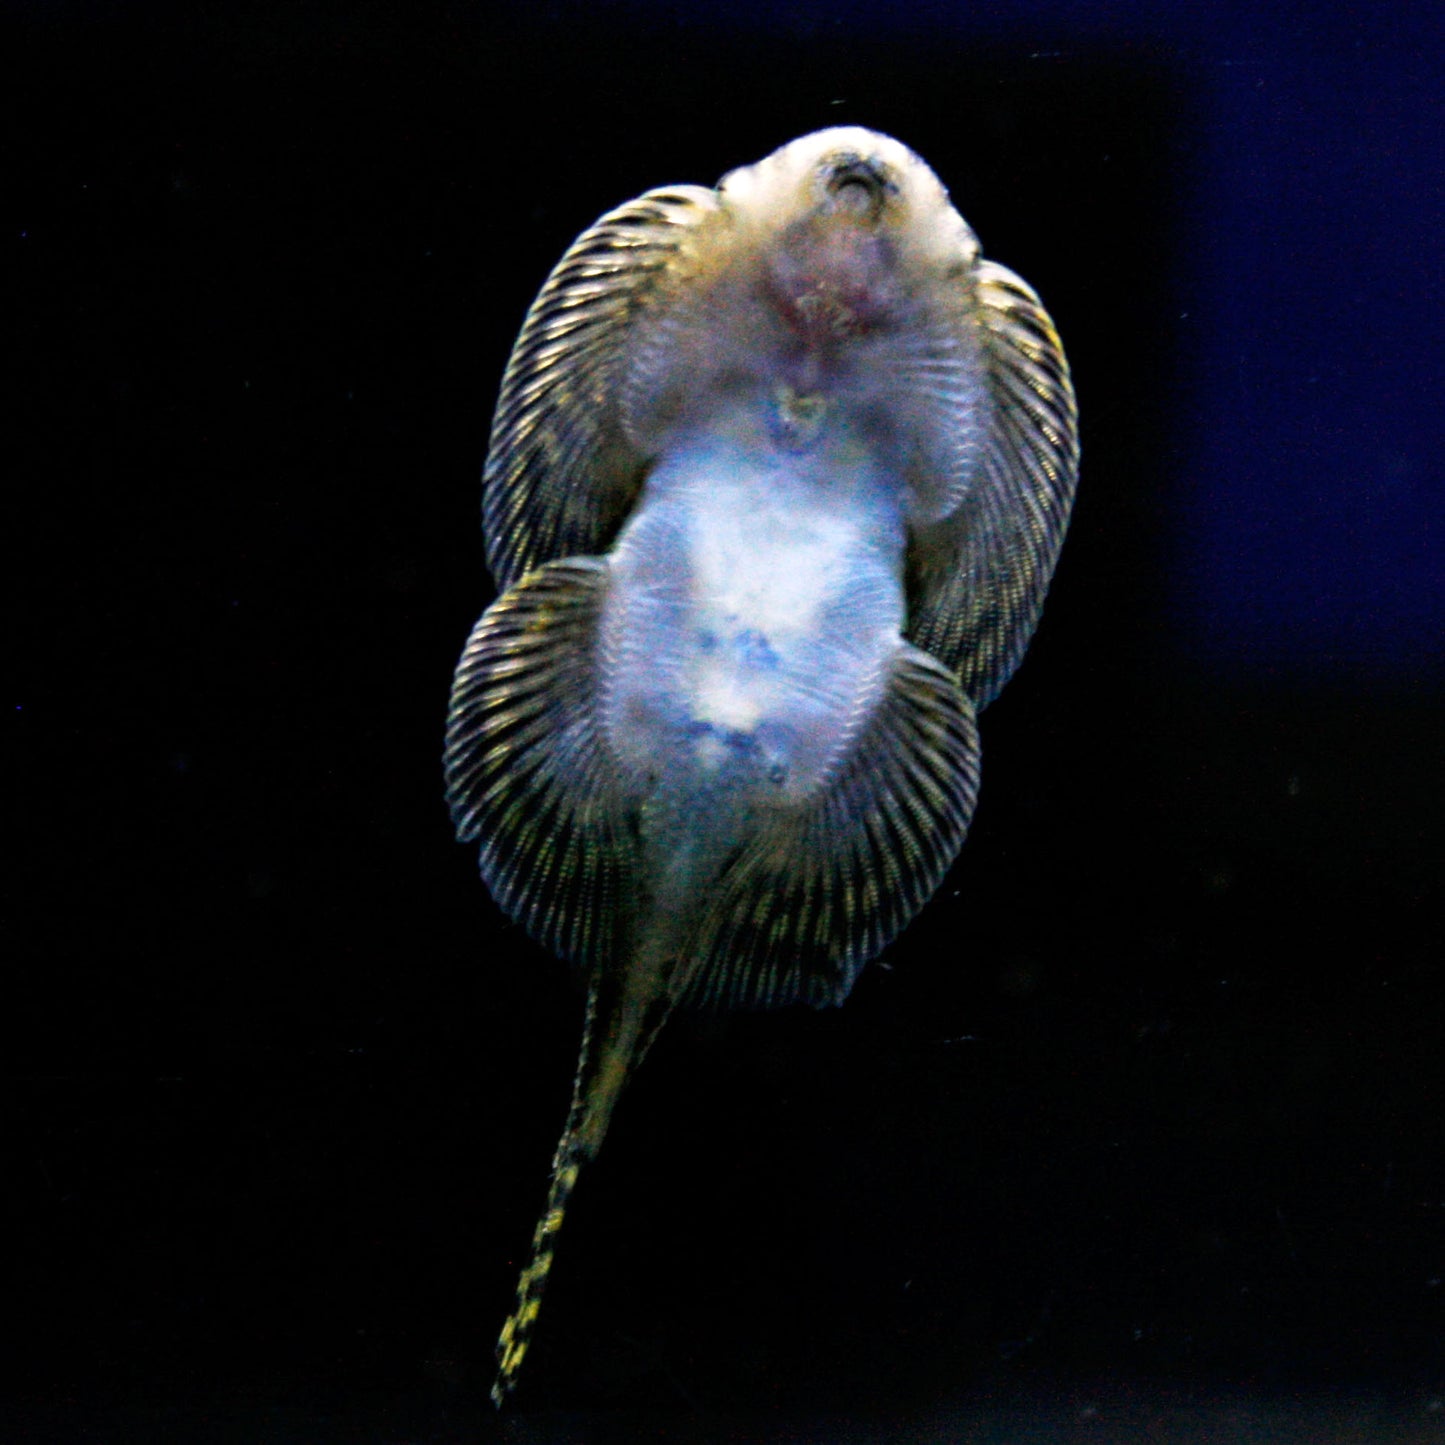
x=777 y=480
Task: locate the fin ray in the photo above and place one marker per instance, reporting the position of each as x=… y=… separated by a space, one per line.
x=805 y=907
x=560 y=472
x=528 y=774
x=978 y=576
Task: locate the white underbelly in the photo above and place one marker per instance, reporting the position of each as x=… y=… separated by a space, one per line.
x=747 y=636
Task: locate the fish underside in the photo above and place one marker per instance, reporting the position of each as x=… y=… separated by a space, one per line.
x=777 y=479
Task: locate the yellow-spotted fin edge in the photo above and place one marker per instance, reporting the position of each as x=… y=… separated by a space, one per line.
x=803 y=909
x=567 y=1161
x=977 y=577
x=516 y=1333
x=527 y=775
x=561 y=474
x=621 y=1025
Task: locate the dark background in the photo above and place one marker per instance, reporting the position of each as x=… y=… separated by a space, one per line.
x=1141 y=1121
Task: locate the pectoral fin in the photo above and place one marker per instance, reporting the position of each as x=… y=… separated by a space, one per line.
x=561 y=473
x=822 y=890
x=978 y=575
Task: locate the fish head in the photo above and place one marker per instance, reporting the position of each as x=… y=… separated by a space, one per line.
x=848 y=226
x=823 y=300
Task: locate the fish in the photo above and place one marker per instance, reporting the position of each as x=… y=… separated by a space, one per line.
x=777 y=479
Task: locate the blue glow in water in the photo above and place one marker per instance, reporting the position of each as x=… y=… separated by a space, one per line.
x=1309 y=531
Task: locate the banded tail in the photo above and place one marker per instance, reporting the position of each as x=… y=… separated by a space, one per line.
x=517 y=1331
x=614 y=1039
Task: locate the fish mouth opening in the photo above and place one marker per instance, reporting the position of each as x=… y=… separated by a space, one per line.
x=857 y=187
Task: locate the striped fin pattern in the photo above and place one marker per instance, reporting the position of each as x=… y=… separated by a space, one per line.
x=527 y=774
x=977 y=577
x=561 y=474
x=809 y=903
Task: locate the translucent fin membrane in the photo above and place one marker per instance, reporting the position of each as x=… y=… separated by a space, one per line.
x=526 y=771
x=819 y=894
x=560 y=474
x=978 y=577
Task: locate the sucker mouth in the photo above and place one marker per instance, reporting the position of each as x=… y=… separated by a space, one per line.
x=858 y=187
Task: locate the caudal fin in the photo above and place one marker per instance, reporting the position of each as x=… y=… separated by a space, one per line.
x=517 y=1332
x=616 y=1036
